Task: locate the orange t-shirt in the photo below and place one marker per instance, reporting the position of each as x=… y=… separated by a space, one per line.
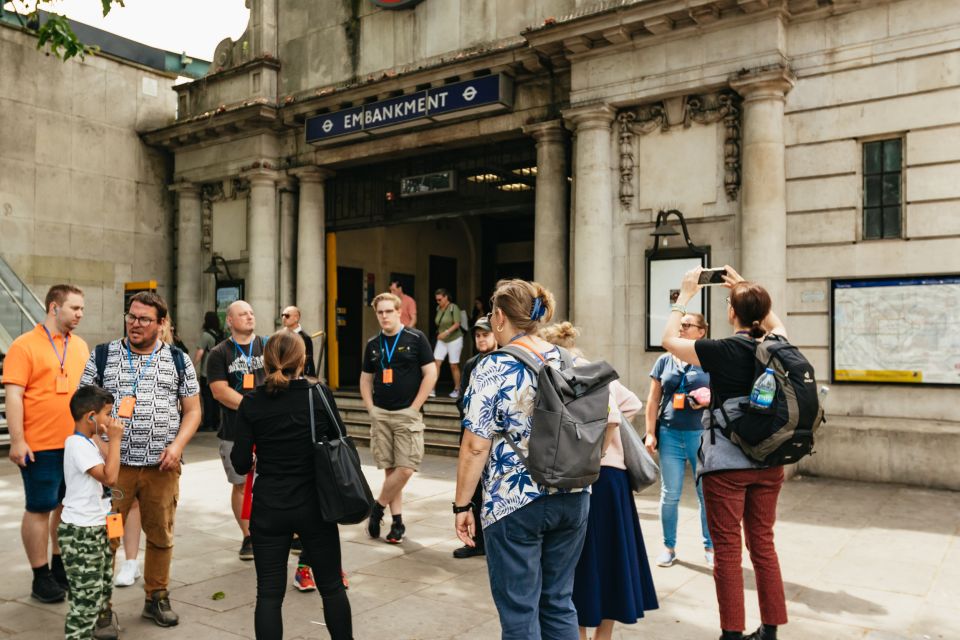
x=408 y=307
x=32 y=364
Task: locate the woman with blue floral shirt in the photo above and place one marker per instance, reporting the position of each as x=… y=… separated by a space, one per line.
x=533 y=534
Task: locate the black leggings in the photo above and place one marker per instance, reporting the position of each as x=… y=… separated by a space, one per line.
x=271 y=531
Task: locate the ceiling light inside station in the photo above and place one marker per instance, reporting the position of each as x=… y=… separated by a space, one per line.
x=526 y=171
x=485 y=178
x=514 y=186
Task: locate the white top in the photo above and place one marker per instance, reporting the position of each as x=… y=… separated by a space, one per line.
x=83 y=504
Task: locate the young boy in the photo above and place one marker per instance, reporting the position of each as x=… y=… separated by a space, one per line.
x=90 y=465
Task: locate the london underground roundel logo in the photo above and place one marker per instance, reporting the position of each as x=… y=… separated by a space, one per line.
x=396 y=4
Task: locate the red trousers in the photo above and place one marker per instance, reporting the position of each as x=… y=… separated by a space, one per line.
x=748 y=496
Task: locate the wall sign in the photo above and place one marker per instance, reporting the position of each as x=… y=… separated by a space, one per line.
x=486 y=93
x=396 y=4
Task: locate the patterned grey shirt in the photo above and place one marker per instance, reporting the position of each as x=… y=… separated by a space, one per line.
x=156 y=414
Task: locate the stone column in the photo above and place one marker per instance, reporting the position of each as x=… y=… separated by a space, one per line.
x=311 y=248
x=262 y=244
x=592 y=300
x=288 y=241
x=188 y=312
x=763 y=199
x=551 y=236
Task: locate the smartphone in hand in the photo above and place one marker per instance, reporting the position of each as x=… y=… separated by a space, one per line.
x=712 y=276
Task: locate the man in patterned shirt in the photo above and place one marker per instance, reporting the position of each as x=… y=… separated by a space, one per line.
x=152 y=383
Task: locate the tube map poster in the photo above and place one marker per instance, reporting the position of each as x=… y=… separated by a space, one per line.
x=899 y=330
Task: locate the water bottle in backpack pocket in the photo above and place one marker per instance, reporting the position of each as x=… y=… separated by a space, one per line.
x=764 y=391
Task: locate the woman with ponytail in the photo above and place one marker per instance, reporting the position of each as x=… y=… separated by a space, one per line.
x=735 y=488
x=276 y=419
x=533 y=535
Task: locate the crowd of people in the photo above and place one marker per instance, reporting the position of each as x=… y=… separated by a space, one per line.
x=99 y=438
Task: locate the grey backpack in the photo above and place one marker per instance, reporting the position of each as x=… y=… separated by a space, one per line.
x=569 y=420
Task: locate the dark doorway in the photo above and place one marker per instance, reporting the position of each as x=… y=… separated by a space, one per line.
x=350 y=324
x=406 y=281
x=443 y=275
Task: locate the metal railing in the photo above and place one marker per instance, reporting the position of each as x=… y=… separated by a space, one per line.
x=20 y=310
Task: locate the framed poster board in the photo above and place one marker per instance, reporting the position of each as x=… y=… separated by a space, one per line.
x=665 y=269
x=902 y=330
x=228 y=291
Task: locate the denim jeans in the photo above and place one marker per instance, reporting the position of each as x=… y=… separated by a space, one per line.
x=677 y=447
x=531 y=558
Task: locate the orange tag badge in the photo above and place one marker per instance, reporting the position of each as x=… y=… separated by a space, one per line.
x=114 y=526
x=388 y=376
x=679 y=401
x=126 y=407
x=63 y=383
x=248 y=381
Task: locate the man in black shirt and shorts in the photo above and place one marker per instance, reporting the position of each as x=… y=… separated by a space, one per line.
x=234 y=369
x=398 y=375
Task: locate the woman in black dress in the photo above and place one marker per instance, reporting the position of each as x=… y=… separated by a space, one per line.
x=276 y=419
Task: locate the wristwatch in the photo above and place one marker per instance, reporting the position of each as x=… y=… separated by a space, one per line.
x=466 y=507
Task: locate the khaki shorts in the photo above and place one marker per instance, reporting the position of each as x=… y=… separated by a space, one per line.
x=396 y=438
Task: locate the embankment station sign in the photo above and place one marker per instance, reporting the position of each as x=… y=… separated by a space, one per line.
x=477 y=95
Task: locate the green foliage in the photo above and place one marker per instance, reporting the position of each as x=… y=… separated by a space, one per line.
x=56 y=32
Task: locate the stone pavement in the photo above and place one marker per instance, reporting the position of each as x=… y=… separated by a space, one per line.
x=879 y=562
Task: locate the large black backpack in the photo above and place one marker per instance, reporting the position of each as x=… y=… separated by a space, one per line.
x=783 y=433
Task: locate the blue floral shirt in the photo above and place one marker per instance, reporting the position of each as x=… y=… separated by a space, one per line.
x=500 y=399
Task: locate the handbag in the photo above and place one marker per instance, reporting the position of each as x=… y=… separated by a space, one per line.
x=665 y=398
x=342 y=489
x=641 y=469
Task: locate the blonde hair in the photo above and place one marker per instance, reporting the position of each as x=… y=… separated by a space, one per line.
x=283 y=359
x=525 y=304
x=562 y=334
x=388 y=297
x=700 y=320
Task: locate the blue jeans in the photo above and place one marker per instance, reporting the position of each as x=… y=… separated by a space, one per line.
x=531 y=558
x=677 y=447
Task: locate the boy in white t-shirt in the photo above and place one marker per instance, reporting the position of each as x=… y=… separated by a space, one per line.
x=90 y=466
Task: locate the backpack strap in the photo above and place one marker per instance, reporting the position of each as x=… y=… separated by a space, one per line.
x=100 y=353
x=528 y=361
x=179 y=363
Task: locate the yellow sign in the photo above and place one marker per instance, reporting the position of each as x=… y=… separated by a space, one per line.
x=870 y=375
x=146 y=285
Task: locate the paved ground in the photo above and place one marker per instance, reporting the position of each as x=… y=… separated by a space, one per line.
x=860 y=561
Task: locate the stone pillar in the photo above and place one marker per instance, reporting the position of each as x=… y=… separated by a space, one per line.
x=188 y=311
x=763 y=198
x=262 y=245
x=592 y=300
x=551 y=235
x=311 y=248
x=288 y=242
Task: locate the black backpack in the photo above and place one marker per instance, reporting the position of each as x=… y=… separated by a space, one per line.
x=783 y=433
x=101 y=351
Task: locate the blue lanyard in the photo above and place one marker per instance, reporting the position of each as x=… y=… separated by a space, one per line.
x=518 y=336
x=143 y=369
x=248 y=357
x=384 y=349
x=66 y=342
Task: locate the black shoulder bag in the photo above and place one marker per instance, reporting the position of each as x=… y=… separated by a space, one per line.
x=342 y=489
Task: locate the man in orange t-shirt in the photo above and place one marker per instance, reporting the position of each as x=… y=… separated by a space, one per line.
x=408 y=306
x=40 y=373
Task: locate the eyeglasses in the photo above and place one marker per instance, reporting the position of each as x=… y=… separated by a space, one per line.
x=687 y=325
x=143 y=321
x=284 y=315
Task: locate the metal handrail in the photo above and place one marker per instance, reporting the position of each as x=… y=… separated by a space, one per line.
x=22 y=283
x=17 y=302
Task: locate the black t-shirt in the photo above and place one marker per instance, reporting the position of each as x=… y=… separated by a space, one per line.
x=412 y=352
x=228 y=362
x=731 y=363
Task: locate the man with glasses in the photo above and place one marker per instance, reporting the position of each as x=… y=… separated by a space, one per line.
x=235 y=368
x=157 y=396
x=291 y=320
x=41 y=370
x=398 y=374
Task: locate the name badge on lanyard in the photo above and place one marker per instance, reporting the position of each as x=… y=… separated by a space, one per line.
x=128 y=402
x=62 y=384
x=247 y=381
x=388 y=351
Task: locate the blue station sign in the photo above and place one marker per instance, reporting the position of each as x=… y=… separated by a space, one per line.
x=477 y=95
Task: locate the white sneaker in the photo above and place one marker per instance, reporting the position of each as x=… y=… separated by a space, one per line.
x=708 y=556
x=128 y=574
x=666 y=558
x=454 y=394
x=433 y=394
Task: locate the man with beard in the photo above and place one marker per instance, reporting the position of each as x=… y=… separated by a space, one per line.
x=152 y=383
x=41 y=370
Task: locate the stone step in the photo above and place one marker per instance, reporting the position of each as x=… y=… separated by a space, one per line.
x=441 y=421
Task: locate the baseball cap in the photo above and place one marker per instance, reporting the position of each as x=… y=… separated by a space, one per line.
x=483 y=324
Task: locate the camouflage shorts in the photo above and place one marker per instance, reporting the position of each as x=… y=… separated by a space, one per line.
x=89 y=564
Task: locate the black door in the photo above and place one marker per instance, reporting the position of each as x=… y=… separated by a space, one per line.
x=350 y=324
x=443 y=275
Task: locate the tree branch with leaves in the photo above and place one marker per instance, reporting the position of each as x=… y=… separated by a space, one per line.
x=55 y=31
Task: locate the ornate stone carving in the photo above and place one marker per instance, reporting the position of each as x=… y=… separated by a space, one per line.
x=701 y=109
x=209 y=193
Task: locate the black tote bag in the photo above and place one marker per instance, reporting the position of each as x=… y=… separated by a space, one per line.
x=342 y=489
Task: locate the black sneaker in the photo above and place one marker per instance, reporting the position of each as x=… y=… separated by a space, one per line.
x=157 y=608
x=46 y=590
x=396 y=533
x=296 y=547
x=468 y=552
x=376 y=519
x=246 y=549
x=107 y=626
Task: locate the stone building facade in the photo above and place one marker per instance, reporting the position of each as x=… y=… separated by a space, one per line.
x=751 y=117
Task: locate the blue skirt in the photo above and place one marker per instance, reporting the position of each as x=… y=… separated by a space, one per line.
x=613 y=580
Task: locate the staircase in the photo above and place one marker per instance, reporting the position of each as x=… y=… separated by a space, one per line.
x=441 y=419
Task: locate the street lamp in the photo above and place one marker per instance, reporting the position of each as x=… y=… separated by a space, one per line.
x=664 y=229
x=215 y=270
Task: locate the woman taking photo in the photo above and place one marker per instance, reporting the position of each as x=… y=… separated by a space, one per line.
x=533 y=535
x=735 y=488
x=675 y=416
x=276 y=419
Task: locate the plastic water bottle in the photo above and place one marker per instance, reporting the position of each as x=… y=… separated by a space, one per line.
x=764 y=390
